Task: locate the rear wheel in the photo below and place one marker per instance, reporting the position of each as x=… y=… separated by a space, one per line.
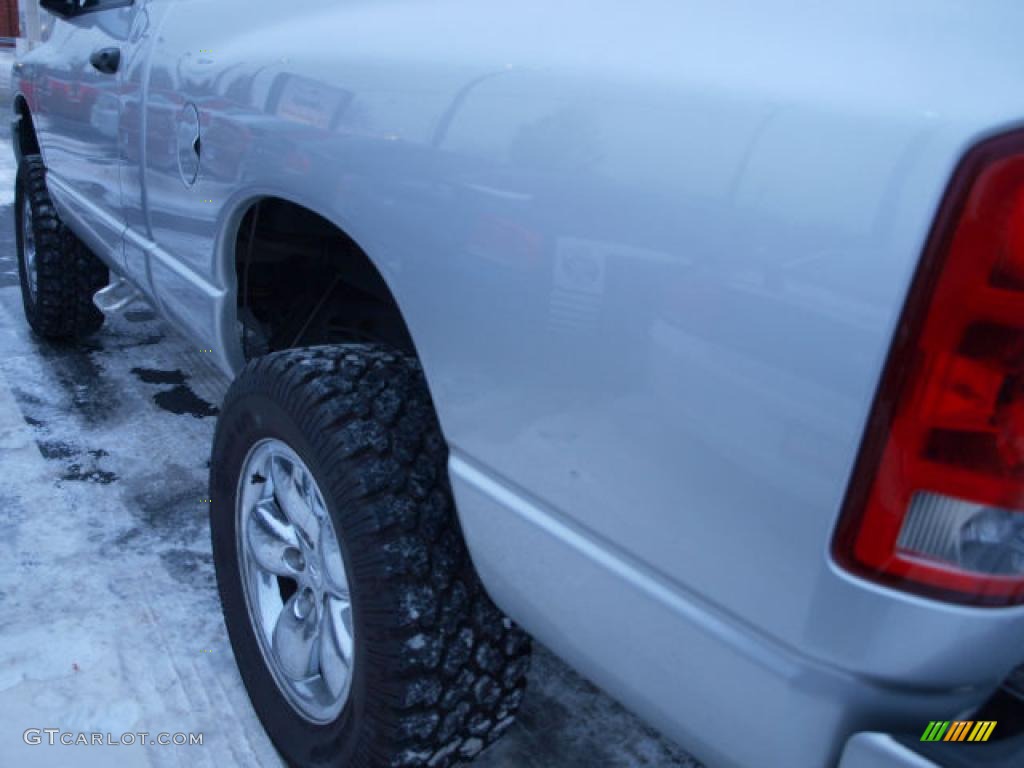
x=59 y=275
x=361 y=630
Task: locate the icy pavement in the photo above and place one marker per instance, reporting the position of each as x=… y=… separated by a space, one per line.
x=109 y=618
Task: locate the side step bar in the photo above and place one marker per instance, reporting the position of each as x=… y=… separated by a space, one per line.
x=116 y=296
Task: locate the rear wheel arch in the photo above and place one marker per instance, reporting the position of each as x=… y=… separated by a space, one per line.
x=354 y=262
x=270 y=233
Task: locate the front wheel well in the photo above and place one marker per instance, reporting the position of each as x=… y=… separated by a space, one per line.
x=302 y=281
x=25 y=140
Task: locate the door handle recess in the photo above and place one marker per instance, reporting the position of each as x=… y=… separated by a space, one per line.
x=106 y=60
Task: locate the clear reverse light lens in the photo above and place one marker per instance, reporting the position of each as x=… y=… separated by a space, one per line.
x=971 y=536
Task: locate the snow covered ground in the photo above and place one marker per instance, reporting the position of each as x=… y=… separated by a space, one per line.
x=109 y=618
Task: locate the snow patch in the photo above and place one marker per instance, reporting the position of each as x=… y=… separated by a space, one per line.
x=46 y=652
x=97 y=714
x=8 y=175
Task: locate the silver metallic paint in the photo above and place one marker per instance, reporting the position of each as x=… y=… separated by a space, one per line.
x=651 y=255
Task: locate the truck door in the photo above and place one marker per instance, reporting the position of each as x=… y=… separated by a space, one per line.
x=138 y=139
x=79 y=80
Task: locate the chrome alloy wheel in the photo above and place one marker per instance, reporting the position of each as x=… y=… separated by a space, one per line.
x=293 y=575
x=28 y=247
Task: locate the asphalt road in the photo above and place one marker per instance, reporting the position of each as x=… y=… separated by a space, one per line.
x=109 y=617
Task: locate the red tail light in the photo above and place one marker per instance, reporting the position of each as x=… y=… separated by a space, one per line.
x=936 y=503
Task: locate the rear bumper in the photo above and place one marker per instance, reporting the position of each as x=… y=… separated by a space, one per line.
x=1005 y=748
x=880 y=750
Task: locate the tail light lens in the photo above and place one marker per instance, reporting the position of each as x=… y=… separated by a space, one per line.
x=936 y=503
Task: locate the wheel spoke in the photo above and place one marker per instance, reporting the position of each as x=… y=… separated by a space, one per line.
x=295 y=636
x=336 y=645
x=335 y=579
x=272 y=540
x=261 y=475
x=293 y=493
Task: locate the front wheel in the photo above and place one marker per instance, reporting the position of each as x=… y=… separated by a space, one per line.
x=360 y=628
x=59 y=274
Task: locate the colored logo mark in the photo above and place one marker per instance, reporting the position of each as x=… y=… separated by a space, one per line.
x=958 y=730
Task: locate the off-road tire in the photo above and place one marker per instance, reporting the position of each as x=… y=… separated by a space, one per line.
x=439 y=672
x=68 y=274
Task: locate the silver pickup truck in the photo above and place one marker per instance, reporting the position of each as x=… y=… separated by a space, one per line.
x=686 y=337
